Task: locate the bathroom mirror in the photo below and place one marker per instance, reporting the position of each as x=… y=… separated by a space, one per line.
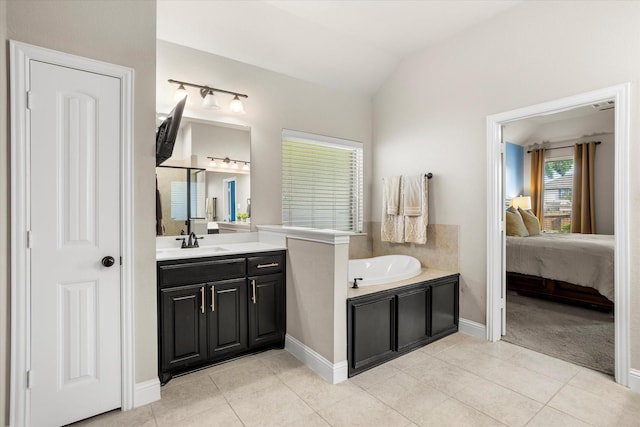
x=211 y=168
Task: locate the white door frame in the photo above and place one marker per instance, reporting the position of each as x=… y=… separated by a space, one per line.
x=495 y=207
x=20 y=55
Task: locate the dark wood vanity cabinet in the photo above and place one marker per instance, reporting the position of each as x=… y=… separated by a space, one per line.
x=210 y=309
x=387 y=324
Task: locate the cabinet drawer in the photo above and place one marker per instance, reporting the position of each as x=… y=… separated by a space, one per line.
x=201 y=271
x=266 y=264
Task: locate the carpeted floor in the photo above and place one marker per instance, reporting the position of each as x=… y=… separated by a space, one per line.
x=575 y=334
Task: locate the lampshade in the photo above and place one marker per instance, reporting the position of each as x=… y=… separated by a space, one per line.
x=522 y=202
x=236 y=105
x=210 y=101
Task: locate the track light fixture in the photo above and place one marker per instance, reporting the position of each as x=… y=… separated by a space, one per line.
x=228 y=163
x=208 y=96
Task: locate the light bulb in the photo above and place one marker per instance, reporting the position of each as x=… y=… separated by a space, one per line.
x=212 y=163
x=236 y=105
x=246 y=166
x=234 y=165
x=181 y=93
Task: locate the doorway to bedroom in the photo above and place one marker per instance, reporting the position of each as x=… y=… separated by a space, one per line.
x=523 y=313
x=560 y=239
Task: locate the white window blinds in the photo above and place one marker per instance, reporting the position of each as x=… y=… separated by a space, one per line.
x=321 y=182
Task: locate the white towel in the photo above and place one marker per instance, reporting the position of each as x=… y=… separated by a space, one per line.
x=392 y=227
x=391 y=194
x=413 y=192
x=415 y=227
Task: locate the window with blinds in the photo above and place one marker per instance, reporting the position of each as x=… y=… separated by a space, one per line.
x=558 y=195
x=321 y=182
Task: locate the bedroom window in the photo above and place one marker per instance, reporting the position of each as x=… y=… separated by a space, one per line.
x=558 y=195
x=321 y=182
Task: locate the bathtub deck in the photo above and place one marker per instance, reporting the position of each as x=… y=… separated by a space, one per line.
x=426 y=274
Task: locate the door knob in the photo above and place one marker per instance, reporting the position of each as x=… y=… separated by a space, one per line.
x=108 y=261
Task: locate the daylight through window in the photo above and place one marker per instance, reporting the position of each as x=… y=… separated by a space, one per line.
x=321 y=182
x=558 y=195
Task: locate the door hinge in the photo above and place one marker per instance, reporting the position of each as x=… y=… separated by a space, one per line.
x=29 y=379
x=502 y=303
x=28 y=239
x=29 y=99
x=120 y=260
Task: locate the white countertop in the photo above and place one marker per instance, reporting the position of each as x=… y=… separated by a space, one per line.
x=426 y=274
x=163 y=254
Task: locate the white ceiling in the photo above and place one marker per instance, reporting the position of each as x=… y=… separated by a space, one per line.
x=347 y=45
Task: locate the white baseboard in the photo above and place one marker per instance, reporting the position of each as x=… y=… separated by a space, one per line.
x=333 y=373
x=472 y=328
x=146 y=392
x=634 y=380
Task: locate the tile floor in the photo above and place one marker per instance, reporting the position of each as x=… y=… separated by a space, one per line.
x=457 y=381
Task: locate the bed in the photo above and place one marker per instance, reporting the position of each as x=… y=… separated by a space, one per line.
x=573 y=268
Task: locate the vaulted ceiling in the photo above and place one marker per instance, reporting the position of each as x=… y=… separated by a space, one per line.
x=347 y=45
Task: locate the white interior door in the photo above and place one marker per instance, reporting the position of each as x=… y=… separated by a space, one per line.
x=74 y=208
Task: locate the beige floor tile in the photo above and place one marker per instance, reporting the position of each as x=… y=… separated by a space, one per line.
x=501 y=349
x=499 y=402
x=594 y=409
x=218 y=416
x=316 y=391
x=280 y=361
x=273 y=406
x=410 y=397
x=362 y=410
x=604 y=386
x=245 y=378
x=522 y=380
x=446 y=378
x=186 y=400
x=375 y=375
x=549 y=417
x=313 y=420
x=409 y=360
x=557 y=369
x=139 y=417
x=454 y=413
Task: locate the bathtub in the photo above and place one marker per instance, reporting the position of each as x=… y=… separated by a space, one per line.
x=383 y=269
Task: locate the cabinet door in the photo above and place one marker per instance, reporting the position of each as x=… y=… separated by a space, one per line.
x=183 y=328
x=266 y=309
x=227 y=317
x=413 y=327
x=444 y=308
x=371 y=332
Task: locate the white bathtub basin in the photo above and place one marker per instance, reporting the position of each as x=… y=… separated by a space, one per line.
x=383 y=269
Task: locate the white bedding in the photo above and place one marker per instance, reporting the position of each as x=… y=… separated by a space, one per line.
x=581 y=259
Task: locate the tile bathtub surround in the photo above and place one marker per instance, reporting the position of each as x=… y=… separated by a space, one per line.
x=440 y=252
x=461 y=381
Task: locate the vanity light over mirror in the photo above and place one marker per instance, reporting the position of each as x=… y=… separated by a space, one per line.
x=218 y=190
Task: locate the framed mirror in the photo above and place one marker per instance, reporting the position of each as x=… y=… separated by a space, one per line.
x=205 y=185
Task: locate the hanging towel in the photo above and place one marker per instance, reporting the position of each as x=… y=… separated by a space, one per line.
x=413 y=192
x=415 y=226
x=392 y=227
x=391 y=194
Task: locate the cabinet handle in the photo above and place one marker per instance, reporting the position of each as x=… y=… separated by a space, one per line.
x=253 y=291
x=213 y=296
x=273 y=264
x=202 y=299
